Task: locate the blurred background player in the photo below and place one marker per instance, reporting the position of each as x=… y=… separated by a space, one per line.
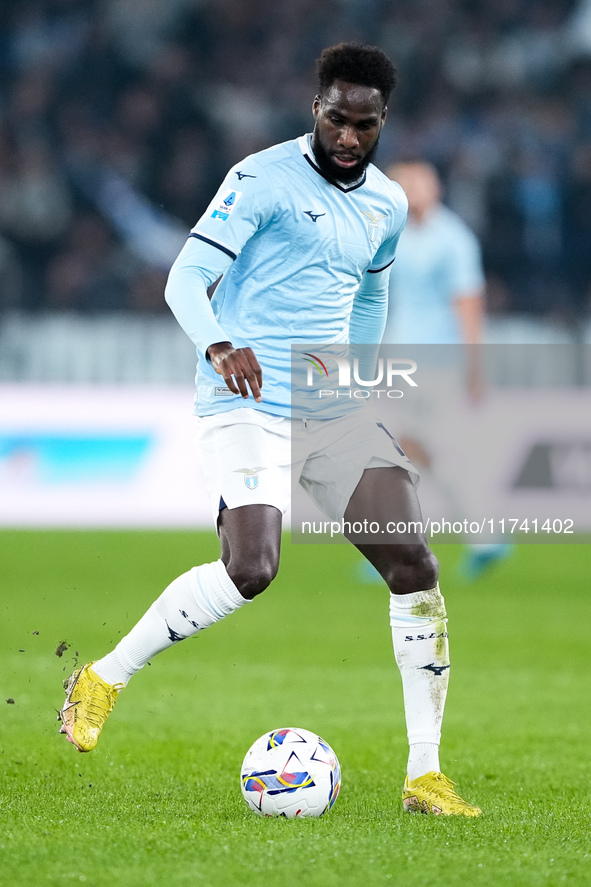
x=437 y=298
x=437 y=281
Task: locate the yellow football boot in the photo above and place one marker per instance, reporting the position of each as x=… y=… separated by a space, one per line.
x=89 y=702
x=434 y=793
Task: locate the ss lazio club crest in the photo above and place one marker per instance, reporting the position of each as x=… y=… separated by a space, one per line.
x=374 y=221
x=251 y=476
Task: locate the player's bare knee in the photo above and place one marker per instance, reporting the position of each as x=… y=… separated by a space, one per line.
x=252 y=579
x=428 y=569
x=412 y=568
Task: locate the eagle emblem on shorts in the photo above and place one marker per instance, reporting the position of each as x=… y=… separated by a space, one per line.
x=251 y=476
x=374 y=221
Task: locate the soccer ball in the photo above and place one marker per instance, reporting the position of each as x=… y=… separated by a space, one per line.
x=290 y=772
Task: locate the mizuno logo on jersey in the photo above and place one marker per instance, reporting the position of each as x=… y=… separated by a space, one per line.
x=244 y=175
x=229 y=201
x=313 y=216
x=374 y=221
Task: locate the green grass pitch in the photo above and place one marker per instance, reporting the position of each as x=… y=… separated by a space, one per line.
x=159 y=803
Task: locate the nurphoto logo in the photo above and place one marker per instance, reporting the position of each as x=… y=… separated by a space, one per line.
x=387 y=371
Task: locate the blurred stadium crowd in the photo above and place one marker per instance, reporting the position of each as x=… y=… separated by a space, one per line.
x=119 y=118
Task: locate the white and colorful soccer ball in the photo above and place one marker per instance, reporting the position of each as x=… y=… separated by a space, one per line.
x=290 y=772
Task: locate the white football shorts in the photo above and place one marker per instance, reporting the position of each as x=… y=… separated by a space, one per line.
x=250 y=457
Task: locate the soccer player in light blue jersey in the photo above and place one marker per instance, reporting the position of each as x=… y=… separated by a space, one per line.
x=437 y=298
x=302 y=236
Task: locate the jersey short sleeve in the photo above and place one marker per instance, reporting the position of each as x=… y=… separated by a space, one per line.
x=386 y=252
x=465 y=261
x=243 y=204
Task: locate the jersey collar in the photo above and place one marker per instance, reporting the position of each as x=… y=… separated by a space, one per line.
x=305 y=143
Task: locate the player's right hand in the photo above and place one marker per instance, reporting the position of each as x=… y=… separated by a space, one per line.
x=239 y=367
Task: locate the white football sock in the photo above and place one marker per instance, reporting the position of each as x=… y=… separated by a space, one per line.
x=419 y=634
x=190 y=603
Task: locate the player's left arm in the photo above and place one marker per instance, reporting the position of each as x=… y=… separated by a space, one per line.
x=370 y=308
x=466 y=281
x=468 y=305
x=469 y=308
x=368 y=319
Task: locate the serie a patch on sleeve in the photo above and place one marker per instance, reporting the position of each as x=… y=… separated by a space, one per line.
x=227 y=204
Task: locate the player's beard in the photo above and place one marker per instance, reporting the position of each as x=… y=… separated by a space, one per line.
x=336 y=173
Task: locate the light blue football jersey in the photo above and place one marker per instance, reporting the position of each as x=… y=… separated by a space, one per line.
x=300 y=246
x=435 y=261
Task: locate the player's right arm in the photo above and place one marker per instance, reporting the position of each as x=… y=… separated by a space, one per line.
x=468 y=302
x=215 y=242
x=198 y=265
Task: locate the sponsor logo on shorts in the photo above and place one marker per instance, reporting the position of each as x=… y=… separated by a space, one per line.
x=223 y=392
x=251 y=476
x=228 y=203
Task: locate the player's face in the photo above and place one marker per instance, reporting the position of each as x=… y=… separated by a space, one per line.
x=421 y=184
x=349 y=119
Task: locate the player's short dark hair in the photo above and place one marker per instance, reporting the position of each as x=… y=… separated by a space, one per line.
x=356 y=63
